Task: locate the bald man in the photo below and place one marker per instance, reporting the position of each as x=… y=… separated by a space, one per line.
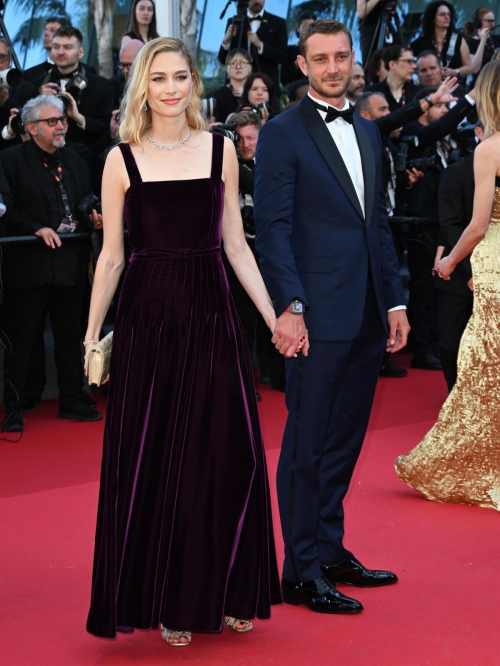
x=127 y=56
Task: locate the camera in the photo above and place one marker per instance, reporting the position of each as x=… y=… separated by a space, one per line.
x=424 y=164
x=258 y=108
x=208 y=107
x=228 y=130
x=465 y=137
x=90 y=203
x=11 y=78
x=74 y=86
x=17 y=124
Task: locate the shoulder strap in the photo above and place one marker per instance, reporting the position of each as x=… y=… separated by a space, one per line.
x=451 y=48
x=217 y=155
x=130 y=163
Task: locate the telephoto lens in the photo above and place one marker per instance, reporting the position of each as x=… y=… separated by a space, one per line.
x=11 y=78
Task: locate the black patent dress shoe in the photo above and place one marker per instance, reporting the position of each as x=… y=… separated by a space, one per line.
x=319 y=595
x=78 y=410
x=390 y=369
x=13 y=421
x=88 y=399
x=354 y=573
x=426 y=362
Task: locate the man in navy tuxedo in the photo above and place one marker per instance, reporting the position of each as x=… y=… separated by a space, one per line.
x=329 y=262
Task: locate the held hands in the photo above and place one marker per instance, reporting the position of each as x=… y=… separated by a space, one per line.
x=398 y=330
x=290 y=335
x=444 y=268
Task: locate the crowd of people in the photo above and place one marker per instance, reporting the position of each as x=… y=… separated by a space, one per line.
x=59 y=124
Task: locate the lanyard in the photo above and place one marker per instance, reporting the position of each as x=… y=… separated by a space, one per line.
x=64 y=196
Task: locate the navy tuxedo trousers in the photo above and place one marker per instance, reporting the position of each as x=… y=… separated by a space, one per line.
x=329 y=396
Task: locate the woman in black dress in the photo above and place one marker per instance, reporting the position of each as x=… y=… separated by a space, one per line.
x=290 y=70
x=238 y=68
x=258 y=92
x=142 y=24
x=479 y=37
x=440 y=35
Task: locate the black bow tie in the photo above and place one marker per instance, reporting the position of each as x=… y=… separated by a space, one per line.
x=255 y=18
x=67 y=76
x=332 y=113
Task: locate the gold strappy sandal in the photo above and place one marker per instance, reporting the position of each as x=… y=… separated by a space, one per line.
x=167 y=635
x=231 y=622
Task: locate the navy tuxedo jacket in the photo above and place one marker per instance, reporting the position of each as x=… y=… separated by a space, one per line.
x=313 y=240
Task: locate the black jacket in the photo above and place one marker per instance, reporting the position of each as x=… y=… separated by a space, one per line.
x=96 y=104
x=289 y=70
x=273 y=33
x=410 y=90
x=422 y=200
x=34 y=264
x=456 y=200
x=17 y=99
x=44 y=68
x=118 y=84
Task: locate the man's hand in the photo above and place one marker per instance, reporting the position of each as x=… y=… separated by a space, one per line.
x=49 y=237
x=72 y=109
x=4 y=95
x=443 y=94
x=49 y=89
x=253 y=39
x=444 y=268
x=398 y=330
x=470 y=284
x=230 y=32
x=13 y=112
x=414 y=175
x=96 y=219
x=290 y=335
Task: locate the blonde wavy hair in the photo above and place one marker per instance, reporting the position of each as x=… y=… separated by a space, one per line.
x=135 y=120
x=488 y=97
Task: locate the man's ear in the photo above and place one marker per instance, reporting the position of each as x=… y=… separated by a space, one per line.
x=365 y=114
x=302 y=64
x=81 y=53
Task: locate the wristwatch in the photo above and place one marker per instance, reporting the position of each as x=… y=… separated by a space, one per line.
x=429 y=101
x=296 y=307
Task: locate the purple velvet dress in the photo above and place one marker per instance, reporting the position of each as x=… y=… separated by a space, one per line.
x=184 y=529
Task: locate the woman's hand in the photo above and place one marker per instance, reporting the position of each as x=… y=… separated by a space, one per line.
x=444 y=268
x=237 y=92
x=483 y=34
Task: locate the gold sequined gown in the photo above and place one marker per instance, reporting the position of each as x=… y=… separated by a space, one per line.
x=458 y=461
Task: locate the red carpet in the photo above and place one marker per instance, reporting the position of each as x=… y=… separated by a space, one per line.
x=443 y=611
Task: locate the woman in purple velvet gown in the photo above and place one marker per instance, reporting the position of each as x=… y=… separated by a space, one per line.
x=184 y=534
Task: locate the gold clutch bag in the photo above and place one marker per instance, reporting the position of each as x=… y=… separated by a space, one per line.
x=99 y=360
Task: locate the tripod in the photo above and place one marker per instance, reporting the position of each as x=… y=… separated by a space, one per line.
x=382 y=28
x=240 y=19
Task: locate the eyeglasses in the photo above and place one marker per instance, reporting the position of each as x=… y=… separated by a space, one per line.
x=444 y=14
x=488 y=20
x=238 y=63
x=52 y=122
x=408 y=61
x=124 y=65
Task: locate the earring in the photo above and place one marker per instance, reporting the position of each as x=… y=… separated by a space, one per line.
x=145 y=107
x=190 y=98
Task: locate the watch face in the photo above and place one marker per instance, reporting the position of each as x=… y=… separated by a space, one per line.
x=297 y=308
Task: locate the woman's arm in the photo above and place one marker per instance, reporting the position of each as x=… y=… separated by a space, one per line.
x=235 y=245
x=112 y=258
x=466 y=67
x=477 y=58
x=486 y=165
x=364 y=7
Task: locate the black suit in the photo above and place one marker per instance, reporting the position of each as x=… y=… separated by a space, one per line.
x=95 y=103
x=118 y=83
x=422 y=201
x=456 y=198
x=17 y=99
x=37 y=277
x=44 y=68
x=273 y=33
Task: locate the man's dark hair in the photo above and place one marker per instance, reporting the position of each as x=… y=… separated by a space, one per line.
x=393 y=53
x=304 y=16
x=423 y=93
x=429 y=15
x=294 y=87
x=244 y=118
x=372 y=66
x=69 y=31
x=62 y=20
x=363 y=102
x=238 y=51
x=424 y=54
x=323 y=27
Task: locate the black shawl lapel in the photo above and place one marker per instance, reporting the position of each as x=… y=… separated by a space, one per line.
x=326 y=146
x=368 y=162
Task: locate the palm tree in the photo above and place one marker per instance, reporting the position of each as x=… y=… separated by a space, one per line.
x=102 y=13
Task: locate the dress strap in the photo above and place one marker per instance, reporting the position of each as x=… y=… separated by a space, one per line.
x=130 y=164
x=217 y=155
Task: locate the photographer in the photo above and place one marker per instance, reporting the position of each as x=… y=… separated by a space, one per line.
x=369 y=15
x=52 y=24
x=258 y=96
x=398 y=88
x=126 y=57
x=261 y=34
x=11 y=98
x=227 y=98
x=455 y=296
x=90 y=102
x=430 y=72
x=357 y=85
x=432 y=155
x=47 y=182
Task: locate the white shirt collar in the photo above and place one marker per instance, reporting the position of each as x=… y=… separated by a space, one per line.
x=252 y=17
x=320 y=101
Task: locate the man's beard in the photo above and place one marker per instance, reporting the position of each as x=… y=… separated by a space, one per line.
x=59 y=141
x=326 y=92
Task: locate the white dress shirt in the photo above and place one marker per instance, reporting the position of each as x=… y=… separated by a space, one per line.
x=345 y=139
x=254 y=26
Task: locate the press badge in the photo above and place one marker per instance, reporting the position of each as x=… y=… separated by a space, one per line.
x=67 y=226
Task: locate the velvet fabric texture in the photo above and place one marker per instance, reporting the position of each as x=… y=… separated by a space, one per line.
x=184 y=529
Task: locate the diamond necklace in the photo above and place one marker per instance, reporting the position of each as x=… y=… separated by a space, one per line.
x=165 y=146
